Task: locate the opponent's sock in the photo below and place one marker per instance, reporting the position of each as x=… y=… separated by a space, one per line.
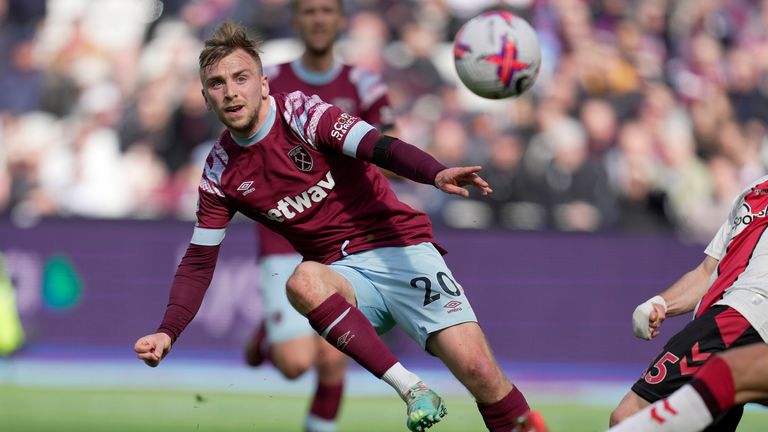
x=714 y=383
x=346 y=328
x=502 y=415
x=326 y=401
x=682 y=410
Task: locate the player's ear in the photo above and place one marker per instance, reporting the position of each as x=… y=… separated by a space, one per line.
x=264 y=86
x=207 y=105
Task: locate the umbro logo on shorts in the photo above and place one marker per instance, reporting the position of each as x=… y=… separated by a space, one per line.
x=453 y=306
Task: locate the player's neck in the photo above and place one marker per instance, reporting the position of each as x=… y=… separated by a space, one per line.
x=318 y=62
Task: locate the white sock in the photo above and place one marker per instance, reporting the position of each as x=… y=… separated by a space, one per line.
x=400 y=378
x=317 y=424
x=682 y=411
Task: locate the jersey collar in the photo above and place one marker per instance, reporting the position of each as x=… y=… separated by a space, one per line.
x=263 y=129
x=316 y=78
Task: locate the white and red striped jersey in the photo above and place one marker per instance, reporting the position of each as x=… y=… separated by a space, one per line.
x=741 y=279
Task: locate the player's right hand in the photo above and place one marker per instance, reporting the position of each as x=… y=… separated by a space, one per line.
x=648 y=316
x=453 y=180
x=152 y=348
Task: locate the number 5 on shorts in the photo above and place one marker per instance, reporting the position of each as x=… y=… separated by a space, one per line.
x=661 y=367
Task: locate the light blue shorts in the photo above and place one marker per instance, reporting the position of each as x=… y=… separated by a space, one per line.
x=282 y=320
x=408 y=286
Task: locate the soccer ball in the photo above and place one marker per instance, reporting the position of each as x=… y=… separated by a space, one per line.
x=497 y=55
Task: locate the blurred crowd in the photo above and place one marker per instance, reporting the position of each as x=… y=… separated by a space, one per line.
x=647 y=116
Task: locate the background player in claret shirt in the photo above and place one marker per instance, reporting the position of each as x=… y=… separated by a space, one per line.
x=307 y=170
x=730 y=286
x=285 y=336
x=731 y=378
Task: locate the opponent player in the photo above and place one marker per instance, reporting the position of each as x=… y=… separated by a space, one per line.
x=285 y=336
x=731 y=378
x=304 y=168
x=730 y=286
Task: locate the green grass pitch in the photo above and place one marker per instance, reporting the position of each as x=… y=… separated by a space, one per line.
x=28 y=409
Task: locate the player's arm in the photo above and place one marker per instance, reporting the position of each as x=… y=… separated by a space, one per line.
x=415 y=164
x=327 y=128
x=192 y=278
x=684 y=294
x=681 y=297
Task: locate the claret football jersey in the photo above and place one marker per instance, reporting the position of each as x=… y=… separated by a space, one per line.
x=299 y=176
x=352 y=89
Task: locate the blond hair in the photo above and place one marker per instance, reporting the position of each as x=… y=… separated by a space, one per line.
x=227 y=38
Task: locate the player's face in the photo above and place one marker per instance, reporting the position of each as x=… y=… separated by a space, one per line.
x=318 y=23
x=235 y=90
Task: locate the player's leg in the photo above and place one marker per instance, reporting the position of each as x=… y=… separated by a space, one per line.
x=718 y=329
x=328 y=300
x=749 y=367
x=465 y=351
x=330 y=364
x=284 y=335
x=731 y=378
x=425 y=300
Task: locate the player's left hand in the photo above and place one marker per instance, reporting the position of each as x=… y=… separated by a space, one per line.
x=648 y=316
x=453 y=180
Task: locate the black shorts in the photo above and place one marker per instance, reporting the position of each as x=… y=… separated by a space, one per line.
x=718 y=329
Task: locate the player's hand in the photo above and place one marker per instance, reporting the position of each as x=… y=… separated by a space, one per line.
x=647 y=318
x=453 y=180
x=152 y=348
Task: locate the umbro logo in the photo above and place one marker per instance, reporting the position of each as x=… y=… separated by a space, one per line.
x=344 y=339
x=246 y=187
x=453 y=306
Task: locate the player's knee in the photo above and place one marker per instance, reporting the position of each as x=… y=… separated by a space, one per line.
x=619 y=414
x=294 y=368
x=481 y=371
x=301 y=281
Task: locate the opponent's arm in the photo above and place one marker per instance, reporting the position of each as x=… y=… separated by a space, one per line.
x=681 y=297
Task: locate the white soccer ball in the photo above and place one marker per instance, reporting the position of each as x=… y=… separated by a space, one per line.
x=497 y=55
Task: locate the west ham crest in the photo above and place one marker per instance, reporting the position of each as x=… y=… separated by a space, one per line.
x=301 y=158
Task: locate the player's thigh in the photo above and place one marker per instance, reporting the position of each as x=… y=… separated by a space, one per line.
x=367 y=297
x=459 y=345
x=420 y=292
x=749 y=366
x=718 y=329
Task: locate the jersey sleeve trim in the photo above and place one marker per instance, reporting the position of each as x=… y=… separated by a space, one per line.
x=208 y=236
x=354 y=136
